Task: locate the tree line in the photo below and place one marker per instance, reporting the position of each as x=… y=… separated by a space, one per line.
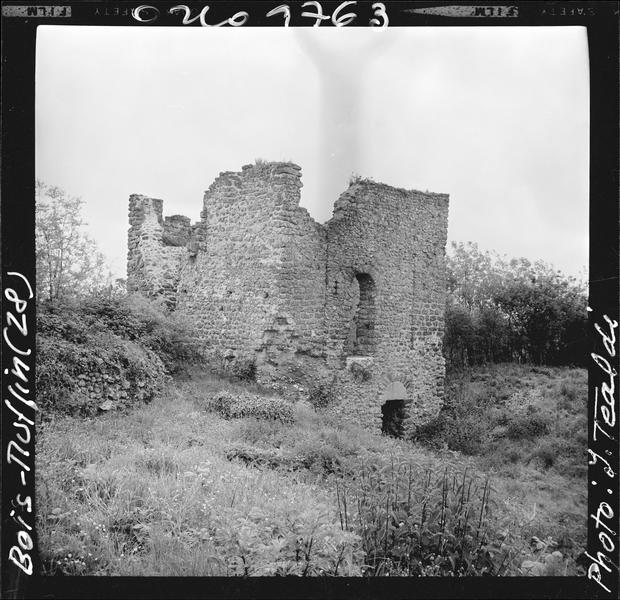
x=512 y=310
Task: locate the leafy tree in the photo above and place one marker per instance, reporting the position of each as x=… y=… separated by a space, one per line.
x=471 y=274
x=501 y=310
x=459 y=335
x=67 y=259
x=547 y=312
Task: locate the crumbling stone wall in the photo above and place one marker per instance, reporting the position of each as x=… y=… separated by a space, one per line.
x=156 y=248
x=105 y=387
x=255 y=283
x=384 y=309
x=230 y=285
x=354 y=306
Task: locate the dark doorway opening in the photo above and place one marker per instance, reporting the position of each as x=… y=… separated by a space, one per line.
x=393 y=416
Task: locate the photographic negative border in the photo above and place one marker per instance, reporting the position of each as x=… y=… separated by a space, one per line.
x=19 y=561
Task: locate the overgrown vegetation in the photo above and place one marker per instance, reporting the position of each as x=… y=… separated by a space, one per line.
x=514 y=415
x=173 y=488
x=242 y=404
x=127 y=344
x=96 y=346
x=152 y=493
x=501 y=310
x=216 y=476
x=321 y=394
x=414 y=522
x=244 y=369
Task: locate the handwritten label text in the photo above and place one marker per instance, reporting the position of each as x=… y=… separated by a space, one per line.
x=20 y=390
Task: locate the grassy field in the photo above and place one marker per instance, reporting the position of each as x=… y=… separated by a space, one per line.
x=496 y=485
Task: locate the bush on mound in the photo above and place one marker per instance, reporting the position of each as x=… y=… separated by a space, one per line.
x=106 y=352
x=242 y=404
x=78 y=378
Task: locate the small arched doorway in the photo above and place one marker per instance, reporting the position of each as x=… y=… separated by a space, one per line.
x=394 y=409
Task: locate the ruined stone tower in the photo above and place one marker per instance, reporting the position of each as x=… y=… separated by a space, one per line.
x=350 y=311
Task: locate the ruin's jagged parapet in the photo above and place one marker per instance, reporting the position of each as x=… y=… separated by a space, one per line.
x=257 y=280
x=354 y=306
x=177 y=231
x=156 y=249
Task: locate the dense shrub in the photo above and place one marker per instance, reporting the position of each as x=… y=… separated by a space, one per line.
x=241 y=404
x=464 y=432
x=318 y=456
x=546 y=453
x=433 y=433
x=133 y=317
x=244 y=369
x=98 y=349
x=169 y=334
x=463 y=424
x=528 y=426
x=320 y=395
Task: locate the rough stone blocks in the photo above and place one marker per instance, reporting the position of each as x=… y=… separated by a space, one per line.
x=354 y=306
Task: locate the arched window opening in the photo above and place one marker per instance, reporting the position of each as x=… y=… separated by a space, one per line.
x=361 y=340
x=393 y=417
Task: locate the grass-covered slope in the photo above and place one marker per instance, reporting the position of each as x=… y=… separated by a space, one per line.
x=183 y=486
x=514 y=416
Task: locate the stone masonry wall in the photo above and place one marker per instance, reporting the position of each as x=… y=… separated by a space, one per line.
x=155 y=250
x=242 y=286
x=391 y=242
x=355 y=305
x=294 y=344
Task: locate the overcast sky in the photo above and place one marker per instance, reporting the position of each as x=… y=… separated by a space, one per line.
x=498 y=118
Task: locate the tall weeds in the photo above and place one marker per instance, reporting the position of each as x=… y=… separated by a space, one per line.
x=414 y=521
